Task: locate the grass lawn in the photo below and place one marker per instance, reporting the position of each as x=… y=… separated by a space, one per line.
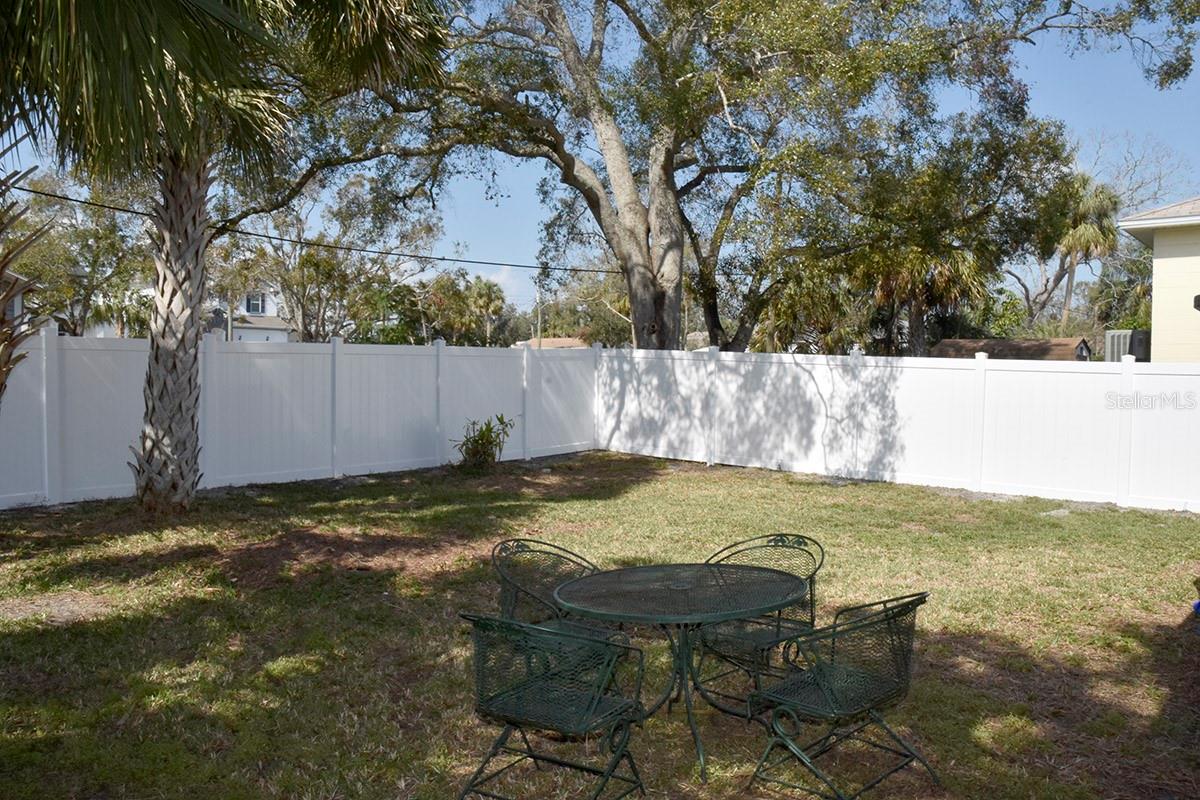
x=302 y=640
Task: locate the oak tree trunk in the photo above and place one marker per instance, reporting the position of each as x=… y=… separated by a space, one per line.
x=167 y=456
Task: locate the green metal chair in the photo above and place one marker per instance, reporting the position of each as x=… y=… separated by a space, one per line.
x=750 y=647
x=529 y=571
x=842 y=676
x=530 y=677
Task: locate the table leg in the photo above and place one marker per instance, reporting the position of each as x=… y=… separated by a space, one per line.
x=686 y=676
x=680 y=686
x=672 y=690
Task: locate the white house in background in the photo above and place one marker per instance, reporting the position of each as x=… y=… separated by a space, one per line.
x=17 y=304
x=256 y=319
x=1173 y=232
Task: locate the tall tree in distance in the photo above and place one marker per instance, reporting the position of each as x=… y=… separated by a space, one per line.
x=91 y=262
x=1091 y=233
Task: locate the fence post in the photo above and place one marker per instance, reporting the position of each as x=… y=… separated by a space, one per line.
x=1125 y=431
x=981 y=364
x=596 y=394
x=51 y=416
x=439 y=345
x=208 y=368
x=525 y=402
x=710 y=445
x=335 y=355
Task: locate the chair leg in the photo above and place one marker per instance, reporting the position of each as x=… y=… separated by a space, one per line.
x=782 y=738
x=536 y=764
x=908 y=748
x=618 y=745
x=497 y=746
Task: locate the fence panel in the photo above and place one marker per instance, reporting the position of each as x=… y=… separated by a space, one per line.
x=268 y=413
x=477 y=383
x=654 y=403
x=99 y=415
x=1164 y=459
x=1046 y=430
x=387 y=414
x=559 y=405
x=22 y=448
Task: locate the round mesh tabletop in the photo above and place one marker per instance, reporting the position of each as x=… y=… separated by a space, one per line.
x=681 y=594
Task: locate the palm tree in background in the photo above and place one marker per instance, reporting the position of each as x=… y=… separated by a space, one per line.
x=486 y=299
x=138 y=85
x=1091 y=233
x=919 y=282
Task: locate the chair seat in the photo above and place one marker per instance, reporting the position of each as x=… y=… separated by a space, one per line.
x=846 y=692
x=746 y=638
x=576 y=628
x=557 y=706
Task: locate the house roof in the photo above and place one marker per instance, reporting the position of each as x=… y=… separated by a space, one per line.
x=1143 y=224
x=1062 y=349
x=553 y=343
x=260 y=322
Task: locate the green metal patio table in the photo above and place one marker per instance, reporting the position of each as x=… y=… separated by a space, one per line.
x=679 y=598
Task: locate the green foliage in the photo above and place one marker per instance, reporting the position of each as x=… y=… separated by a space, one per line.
x=588 y=306
x=91 y=265
x=1121 y=295
x=482 y=444
x=114 y=84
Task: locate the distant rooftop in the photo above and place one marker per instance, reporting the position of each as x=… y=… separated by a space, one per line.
x=1065 y=349
x=553 y=343
x=1143 y=224
x=263 y=321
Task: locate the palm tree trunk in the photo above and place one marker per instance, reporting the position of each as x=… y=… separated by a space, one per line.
x=167 y=468
x=1070 y=291
x=918 y=338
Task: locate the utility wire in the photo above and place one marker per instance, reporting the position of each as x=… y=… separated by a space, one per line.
x=327 y=245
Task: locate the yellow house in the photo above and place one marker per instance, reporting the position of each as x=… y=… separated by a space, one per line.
x=1173 y=232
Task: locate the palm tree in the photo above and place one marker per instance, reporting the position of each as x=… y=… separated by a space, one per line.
x=486 y=299
x=1091 y=232
x=170 y=87
x=920 y=281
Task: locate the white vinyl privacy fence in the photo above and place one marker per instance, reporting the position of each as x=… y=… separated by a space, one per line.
x=282 y=411
x=1116 y=432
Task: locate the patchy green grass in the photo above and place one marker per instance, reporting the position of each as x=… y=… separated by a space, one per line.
x=302 y=640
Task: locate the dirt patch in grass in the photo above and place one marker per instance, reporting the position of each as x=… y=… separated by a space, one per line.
x=302 y=550
x=56 y=608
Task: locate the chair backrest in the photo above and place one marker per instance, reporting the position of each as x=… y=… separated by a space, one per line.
x=554 y=678
x=863 y=660
x=529 y=571
x=789 y=552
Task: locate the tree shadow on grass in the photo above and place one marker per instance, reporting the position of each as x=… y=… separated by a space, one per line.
x=987 y=705
x=415 y=521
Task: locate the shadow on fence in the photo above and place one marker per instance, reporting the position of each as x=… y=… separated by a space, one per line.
x=837 y=418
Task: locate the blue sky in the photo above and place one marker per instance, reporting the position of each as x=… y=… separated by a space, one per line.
x=1097 y=93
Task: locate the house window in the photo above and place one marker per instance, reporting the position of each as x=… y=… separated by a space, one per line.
x=256 y=303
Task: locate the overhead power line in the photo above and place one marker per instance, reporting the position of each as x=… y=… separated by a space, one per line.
x=329 y=245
